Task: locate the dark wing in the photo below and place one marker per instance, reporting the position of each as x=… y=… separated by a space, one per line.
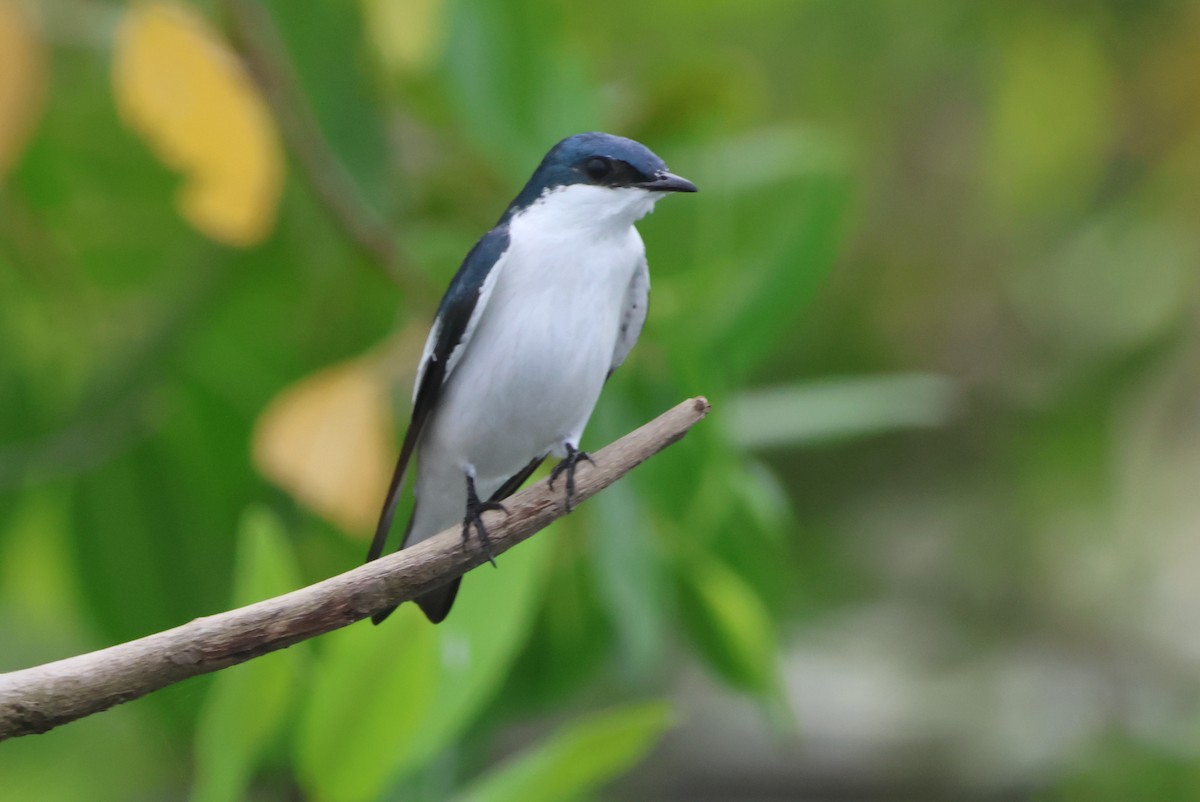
x=457 y=316
x=633 y=317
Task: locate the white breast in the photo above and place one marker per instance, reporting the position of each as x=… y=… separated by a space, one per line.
x=543 y=345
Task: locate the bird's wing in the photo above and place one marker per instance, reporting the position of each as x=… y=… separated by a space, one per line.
x=633 y=316
x=457 y=317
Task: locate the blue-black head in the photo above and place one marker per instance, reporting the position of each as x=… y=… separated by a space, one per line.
x=602 y=160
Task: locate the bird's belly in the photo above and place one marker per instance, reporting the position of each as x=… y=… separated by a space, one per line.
x=529 y=380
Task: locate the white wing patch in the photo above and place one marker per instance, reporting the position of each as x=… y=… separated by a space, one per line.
x=485 y=292
x=633 y=316
x=427 y=355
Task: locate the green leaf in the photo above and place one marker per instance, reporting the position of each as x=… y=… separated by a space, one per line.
x=730 y=625
x=152 y=532
x=572 y=634
x=247 y=704
x=323 y=42
x=478 y=643
x=577 y=759
x=387 y=699
x=370 y=688
x=514 y=77
x=788 y=252
x=809 y=412
x=630 y=576
x=749 y=251
x=110 y=758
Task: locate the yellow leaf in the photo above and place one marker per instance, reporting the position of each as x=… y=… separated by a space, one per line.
x=180 y=87
x=22 y=82
x=329 y=441
x=1050 y=69
x=407 y=36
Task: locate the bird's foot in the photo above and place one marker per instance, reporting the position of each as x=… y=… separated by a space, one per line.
x=572 y=460
x=474 y=517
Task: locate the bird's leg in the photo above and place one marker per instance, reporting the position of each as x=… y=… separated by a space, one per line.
x=569 y=463
x=474 y=517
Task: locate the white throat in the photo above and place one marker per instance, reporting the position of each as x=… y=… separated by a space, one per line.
x=585 y=208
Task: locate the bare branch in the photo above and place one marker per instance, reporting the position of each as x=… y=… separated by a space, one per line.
x=331 y=182
x=37 y=699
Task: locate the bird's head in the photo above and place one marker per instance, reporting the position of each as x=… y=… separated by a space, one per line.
x=600 y=177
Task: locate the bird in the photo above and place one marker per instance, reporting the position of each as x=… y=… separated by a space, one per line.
x=543 y=309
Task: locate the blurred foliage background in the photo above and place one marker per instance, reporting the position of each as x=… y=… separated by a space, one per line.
x=937 y=540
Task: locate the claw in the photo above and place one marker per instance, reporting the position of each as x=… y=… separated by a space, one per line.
x=474 y=517
x=569 y=464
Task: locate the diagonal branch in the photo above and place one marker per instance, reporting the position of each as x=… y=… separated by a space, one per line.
x=38 y=699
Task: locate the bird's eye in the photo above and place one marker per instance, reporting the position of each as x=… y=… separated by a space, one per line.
x=597 y=167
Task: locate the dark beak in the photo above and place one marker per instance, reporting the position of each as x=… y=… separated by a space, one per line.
x=668 y=182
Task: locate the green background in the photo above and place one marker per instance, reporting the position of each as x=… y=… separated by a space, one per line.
x=938 y=538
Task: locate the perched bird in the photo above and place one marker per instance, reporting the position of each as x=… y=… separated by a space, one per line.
x=543 y=309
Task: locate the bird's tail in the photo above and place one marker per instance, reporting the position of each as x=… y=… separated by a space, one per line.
x=436 y=603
